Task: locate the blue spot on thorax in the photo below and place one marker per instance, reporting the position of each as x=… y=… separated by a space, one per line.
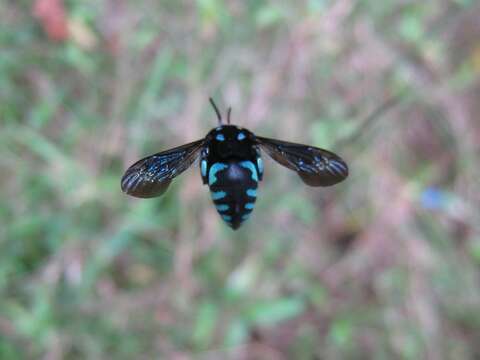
x=220 y=137
x=241 y=136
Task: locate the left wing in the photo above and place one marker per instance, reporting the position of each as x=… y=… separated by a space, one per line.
x=150 y=177
x=315 y=166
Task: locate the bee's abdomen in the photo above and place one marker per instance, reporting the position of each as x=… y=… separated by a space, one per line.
x=233 y=187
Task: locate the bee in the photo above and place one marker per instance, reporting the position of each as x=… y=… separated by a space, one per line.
x=231 y=165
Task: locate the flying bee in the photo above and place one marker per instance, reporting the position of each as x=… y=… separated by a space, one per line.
x=231 y=165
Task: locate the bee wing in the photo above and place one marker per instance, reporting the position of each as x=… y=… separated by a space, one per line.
x=315 y=166
x=150 y=176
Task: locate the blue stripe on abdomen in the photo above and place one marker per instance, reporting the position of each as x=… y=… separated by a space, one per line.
x=203 y=168
x=249 y=165
x=213 y=172
x=217 y=195
x=233 y=187
x=222 y=207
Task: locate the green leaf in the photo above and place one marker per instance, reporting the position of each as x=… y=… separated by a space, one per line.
x=315 y=6
x=241 y=280
x=207 y=316
x=212 y=12
x=301 y=208
x=341 y=333
x=237 y=333
x=272 y=312
x=475 y=251
x=268 y=15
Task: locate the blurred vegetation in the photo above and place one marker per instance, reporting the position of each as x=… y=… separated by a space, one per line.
x=385 y=265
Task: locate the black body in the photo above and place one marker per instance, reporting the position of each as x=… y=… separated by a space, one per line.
x=231 y=165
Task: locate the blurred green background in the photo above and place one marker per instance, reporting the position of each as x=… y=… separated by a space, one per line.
x=383 y=266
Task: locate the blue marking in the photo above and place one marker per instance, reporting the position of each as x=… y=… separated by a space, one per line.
x=203 y=167
x=249 y=206
x=434 y=198
x=220 y=137
x=252 y=192
x=227 y=218
x=260 y=164
x=241 y=136
x=218 y=195
x=249 y=165
x=330 y=170
x=222 y=207
x=337 y=166
x=245 y=216
x=338 y=163
x=132 y=181
x=212 y=179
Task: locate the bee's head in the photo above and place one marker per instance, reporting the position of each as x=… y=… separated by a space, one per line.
x=229 y=141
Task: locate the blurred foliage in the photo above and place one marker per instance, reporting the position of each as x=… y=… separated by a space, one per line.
x=385 y=265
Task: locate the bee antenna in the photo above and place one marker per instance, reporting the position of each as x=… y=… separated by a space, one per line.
x=219 y=117
x=229 y=111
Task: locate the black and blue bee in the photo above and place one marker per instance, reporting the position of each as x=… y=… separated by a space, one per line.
x=231 y=165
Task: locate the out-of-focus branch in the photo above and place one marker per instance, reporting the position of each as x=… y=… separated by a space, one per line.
x=371 y=119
